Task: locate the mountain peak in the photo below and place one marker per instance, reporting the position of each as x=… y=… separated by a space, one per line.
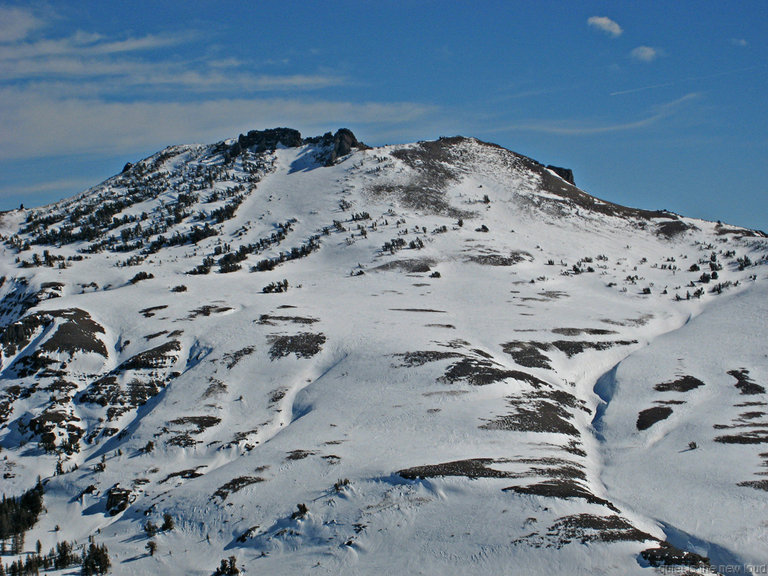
x=307 y=351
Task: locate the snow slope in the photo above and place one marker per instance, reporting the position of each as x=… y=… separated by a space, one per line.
x=452 y=381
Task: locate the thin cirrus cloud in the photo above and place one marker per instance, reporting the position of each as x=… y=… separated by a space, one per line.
x=92 y=94
x=117 y=64
x=605 y=24
x=645 y=54
x=571 y=128
x=17 y=24
x=94 y=126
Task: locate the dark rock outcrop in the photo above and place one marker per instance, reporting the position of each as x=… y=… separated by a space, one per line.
x=118 y=499
x=564 y=173
x=263 y=140
x=343 y=142
x=338 y=145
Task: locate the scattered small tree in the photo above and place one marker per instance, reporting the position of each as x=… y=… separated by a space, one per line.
x=168 y=523
x=151 y=547
x=96 y=560
x=228 y=567
x=341 y=484
x=301 y=512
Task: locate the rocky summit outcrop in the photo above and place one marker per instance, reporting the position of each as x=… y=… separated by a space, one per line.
x=257 y=141
x=343 y=143
x=263 y=140
x=564 y=173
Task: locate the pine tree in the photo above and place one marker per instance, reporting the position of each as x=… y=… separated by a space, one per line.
x=168 y=523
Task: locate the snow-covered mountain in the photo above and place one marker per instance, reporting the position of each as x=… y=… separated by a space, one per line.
x=438 y=358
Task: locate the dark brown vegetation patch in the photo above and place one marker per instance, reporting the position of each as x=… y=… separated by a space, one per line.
x=580 y=331
x=499 y=260
x=106 y=391
x=667 y=555
x=751 y=437
x=199 y=423
x=757 y=484
x=299 y=454
x=159 y=357
x=413 y=266
x=478 y=369
x=538 y=411
x=235 y=485
x=650 y=416
x=149 y=312
x=76 y=332
x=671 y=228
x=435 y=166
x=183 y=440
x=232 y=358
x=528 y=354
x=207 y=311
x=587 y=528
x=682 y=384
x=561 y=489
x=269 y=320
x=421 y=357
x=215 y=387
x=472 y=468
x=418 y=310
x=277 y=395
x=17 y=336
x=303 y=345
x=744 y=383
x=571 y=348
x=481 y=372
x=184 y=474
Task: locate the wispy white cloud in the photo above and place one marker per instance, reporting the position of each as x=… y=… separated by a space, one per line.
x=739 y=42
x=87 y=93
x=91 y=63
x=642 y=89
x=606 y=25
x=94 y=126
x=52 y=186
x=645 y=53
x=576 y=128
x=85 y=44
x=17 y=23
x=689 y=79
x=302 y=81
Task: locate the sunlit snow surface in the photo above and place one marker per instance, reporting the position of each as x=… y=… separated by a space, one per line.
x=483 y=420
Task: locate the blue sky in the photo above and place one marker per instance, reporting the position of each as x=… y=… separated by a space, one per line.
x=652 y=104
